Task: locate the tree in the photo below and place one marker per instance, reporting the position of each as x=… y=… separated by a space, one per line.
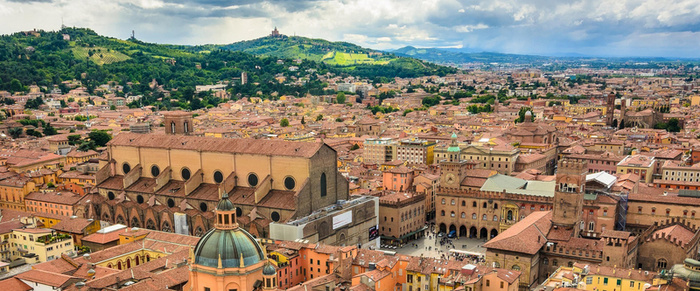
x=34 y=103
x=87 y=145
x=521 y=114
x=74 y=139
x=284 y=122
x=302 y=120
x=673 y=125
x=112 y=107
x=33 y=132
x=16 y=86
x=340 y=98
x=15 y=132
x=431 y=101
x=49 y=130
x=319 y=117
x=100 y=137
x=354 y=147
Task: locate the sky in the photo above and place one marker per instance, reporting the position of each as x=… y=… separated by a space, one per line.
x=659 y=28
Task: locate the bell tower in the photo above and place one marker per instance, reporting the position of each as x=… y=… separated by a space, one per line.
x=453 y=168
x=177 y=122
x=568 y=194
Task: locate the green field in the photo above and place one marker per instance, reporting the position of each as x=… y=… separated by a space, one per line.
x=344 y=59
x=100 y=55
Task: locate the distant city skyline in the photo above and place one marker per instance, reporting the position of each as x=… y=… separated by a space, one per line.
x=634 y=28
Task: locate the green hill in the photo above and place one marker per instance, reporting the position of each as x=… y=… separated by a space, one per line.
x=349 y=57
x=47 y=58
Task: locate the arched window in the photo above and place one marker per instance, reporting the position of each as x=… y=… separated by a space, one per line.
x=452 y=214
x=474 y=216
x=485 y=205
x=323 y=185
x=516 y=268
x=452 y=202
x=484 y=217
x=464 y=203
x=495 y=206
x=119 y=265
x=172 y=127
x=591 y=226
x=661 y=264
x=444 y=201
x=442 y=212
x=464 y=215
x=495 y=218
x=187 y=127
x=474 y=204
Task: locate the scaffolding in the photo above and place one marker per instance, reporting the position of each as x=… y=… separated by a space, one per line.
x=621 y=223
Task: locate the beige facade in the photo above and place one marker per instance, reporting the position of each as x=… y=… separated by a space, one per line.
x=379 y=150
x=148 y=179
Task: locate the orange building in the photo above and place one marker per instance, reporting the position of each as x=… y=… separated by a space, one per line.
x=398 y=179
x=60 y=203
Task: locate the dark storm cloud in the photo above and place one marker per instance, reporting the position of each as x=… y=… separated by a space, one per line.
x=643 y=27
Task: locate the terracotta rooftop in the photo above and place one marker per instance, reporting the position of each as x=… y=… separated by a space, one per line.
x=527 y=236
x=212 y=144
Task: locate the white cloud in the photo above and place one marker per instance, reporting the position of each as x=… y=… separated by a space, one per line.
x=518 y=26
x=470 y=28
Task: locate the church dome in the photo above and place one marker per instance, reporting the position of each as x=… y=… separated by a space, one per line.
x=225 y=204
x=231 y=246
x=269 y=270
x=227 y=242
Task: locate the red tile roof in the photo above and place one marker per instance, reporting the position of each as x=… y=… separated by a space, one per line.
x=212 y=144
x=527 y=236
x=14 y=284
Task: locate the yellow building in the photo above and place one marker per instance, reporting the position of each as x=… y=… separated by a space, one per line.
x=13 y=190
x=643 y=166
x=39 y=244
x=694 y=100
x=76 y=157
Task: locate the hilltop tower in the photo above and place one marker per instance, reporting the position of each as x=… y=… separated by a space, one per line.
x=275 y=33
x=568 y=194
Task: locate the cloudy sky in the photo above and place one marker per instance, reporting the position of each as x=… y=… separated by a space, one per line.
x=668 y=28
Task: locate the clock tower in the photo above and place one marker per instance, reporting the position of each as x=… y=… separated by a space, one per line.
x=453 y=168
x=568 y=194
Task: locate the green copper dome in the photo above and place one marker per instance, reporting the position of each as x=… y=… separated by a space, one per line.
x=269 y=270
x=224 y=203
x=232 y=245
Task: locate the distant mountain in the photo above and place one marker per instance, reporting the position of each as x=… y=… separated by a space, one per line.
x=349 y=57
x=452 y=56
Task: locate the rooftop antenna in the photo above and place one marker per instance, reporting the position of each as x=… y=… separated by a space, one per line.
x=133 y=35
x=63 y=26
